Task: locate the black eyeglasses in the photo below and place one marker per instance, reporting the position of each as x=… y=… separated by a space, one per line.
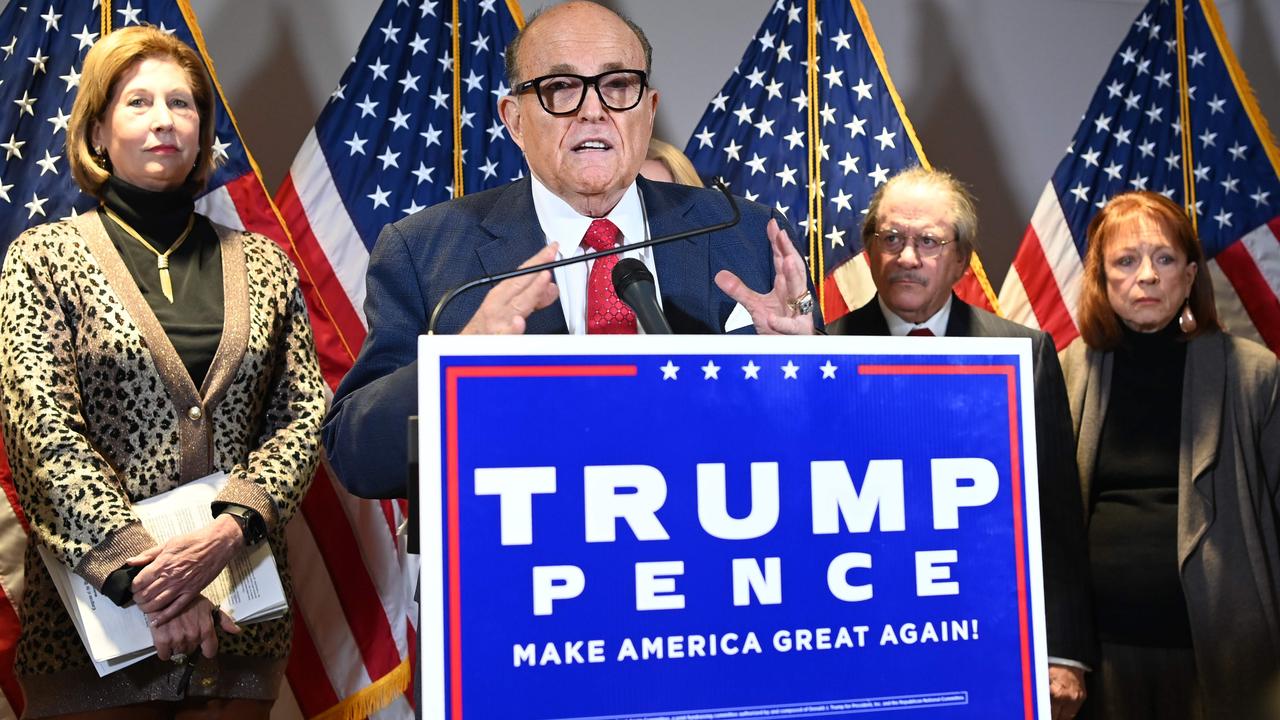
x=618 y=90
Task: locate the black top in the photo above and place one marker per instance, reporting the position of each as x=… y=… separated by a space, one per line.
x=1133 y=524
x=193 y=321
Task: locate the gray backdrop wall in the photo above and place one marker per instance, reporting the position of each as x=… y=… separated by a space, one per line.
x=995 y=88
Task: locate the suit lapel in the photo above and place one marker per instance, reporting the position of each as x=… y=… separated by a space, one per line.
x=515 y=236
x=960 y=324
x=1203 y=387
x=866 y=320
x=683 y=266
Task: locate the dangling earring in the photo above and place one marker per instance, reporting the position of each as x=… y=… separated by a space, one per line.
x=1187 y=319
x=99 y=156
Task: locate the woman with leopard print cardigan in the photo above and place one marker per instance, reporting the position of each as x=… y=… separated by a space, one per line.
x=142 y=347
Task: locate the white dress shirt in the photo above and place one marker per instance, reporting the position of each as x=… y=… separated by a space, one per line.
x=899 y=327
x=561 y=223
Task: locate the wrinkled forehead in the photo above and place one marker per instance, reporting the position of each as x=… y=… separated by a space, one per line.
x=1136 y=229
x=917 y=206
x=579 y=39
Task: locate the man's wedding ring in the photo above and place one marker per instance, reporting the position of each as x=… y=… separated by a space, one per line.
x=803 y=305
x=178 y=658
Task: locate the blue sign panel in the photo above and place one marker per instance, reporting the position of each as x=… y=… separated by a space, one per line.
x=723 y=528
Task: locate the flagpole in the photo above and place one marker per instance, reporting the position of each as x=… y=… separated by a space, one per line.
x=817 y=267
x=1184 y=120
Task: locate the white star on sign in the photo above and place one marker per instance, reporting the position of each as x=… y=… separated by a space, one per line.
x=828 y=370
x=751 y=371
x=669 y=370
x=789 y=371
x=711 y=371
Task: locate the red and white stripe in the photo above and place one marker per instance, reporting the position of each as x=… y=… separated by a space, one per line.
x=1042 y=288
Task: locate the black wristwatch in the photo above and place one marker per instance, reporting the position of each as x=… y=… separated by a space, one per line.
x=251 y=524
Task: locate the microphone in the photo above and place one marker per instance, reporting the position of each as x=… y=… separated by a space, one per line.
x=634 y=284
x=493 y=279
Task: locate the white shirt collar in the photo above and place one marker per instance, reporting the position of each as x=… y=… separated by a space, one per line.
x=561 y=223
x=899 y=327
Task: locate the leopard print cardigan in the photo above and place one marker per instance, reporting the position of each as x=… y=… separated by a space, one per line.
x=99 y=412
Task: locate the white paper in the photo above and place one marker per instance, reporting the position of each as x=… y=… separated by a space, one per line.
x=248 y=590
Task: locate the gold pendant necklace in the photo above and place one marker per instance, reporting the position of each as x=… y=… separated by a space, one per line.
x=162 y=258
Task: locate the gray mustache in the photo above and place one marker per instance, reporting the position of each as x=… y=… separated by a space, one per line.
x=909 y=276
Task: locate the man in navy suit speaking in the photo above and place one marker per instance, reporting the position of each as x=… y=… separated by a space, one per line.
x=582 y=110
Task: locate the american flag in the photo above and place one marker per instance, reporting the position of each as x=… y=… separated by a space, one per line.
x=417 y=103
x=351 y=634
x=1201 y=141
x=812 y=98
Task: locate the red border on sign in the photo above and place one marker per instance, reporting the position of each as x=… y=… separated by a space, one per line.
x=452 y=375
x=1020 y=559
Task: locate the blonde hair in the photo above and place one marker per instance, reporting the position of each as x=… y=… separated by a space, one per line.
x=681 y=169
x=109 y=59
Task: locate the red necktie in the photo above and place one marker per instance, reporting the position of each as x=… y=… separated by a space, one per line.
x=920 y=332
x=606 y=313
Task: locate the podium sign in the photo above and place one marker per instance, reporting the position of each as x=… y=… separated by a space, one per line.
x=698 y=528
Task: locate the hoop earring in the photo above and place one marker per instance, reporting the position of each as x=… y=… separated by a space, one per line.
x=1187 y=319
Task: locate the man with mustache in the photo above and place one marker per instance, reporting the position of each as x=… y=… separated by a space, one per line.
x=582 y=110
x=918 y=233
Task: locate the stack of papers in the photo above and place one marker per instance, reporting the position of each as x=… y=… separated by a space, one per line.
x=248 y=590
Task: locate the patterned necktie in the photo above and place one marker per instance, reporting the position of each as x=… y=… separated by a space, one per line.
x=606 y=313
x=920 y=332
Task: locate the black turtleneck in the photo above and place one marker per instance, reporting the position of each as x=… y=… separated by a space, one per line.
x=1133 y=524
x=193 y=321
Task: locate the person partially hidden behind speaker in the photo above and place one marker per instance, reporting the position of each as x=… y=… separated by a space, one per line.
x=1178 y=445
x=919 y=233
x=142 y=347
x=582 y=110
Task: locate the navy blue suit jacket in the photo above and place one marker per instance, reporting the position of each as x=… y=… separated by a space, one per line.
x=423 y=256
